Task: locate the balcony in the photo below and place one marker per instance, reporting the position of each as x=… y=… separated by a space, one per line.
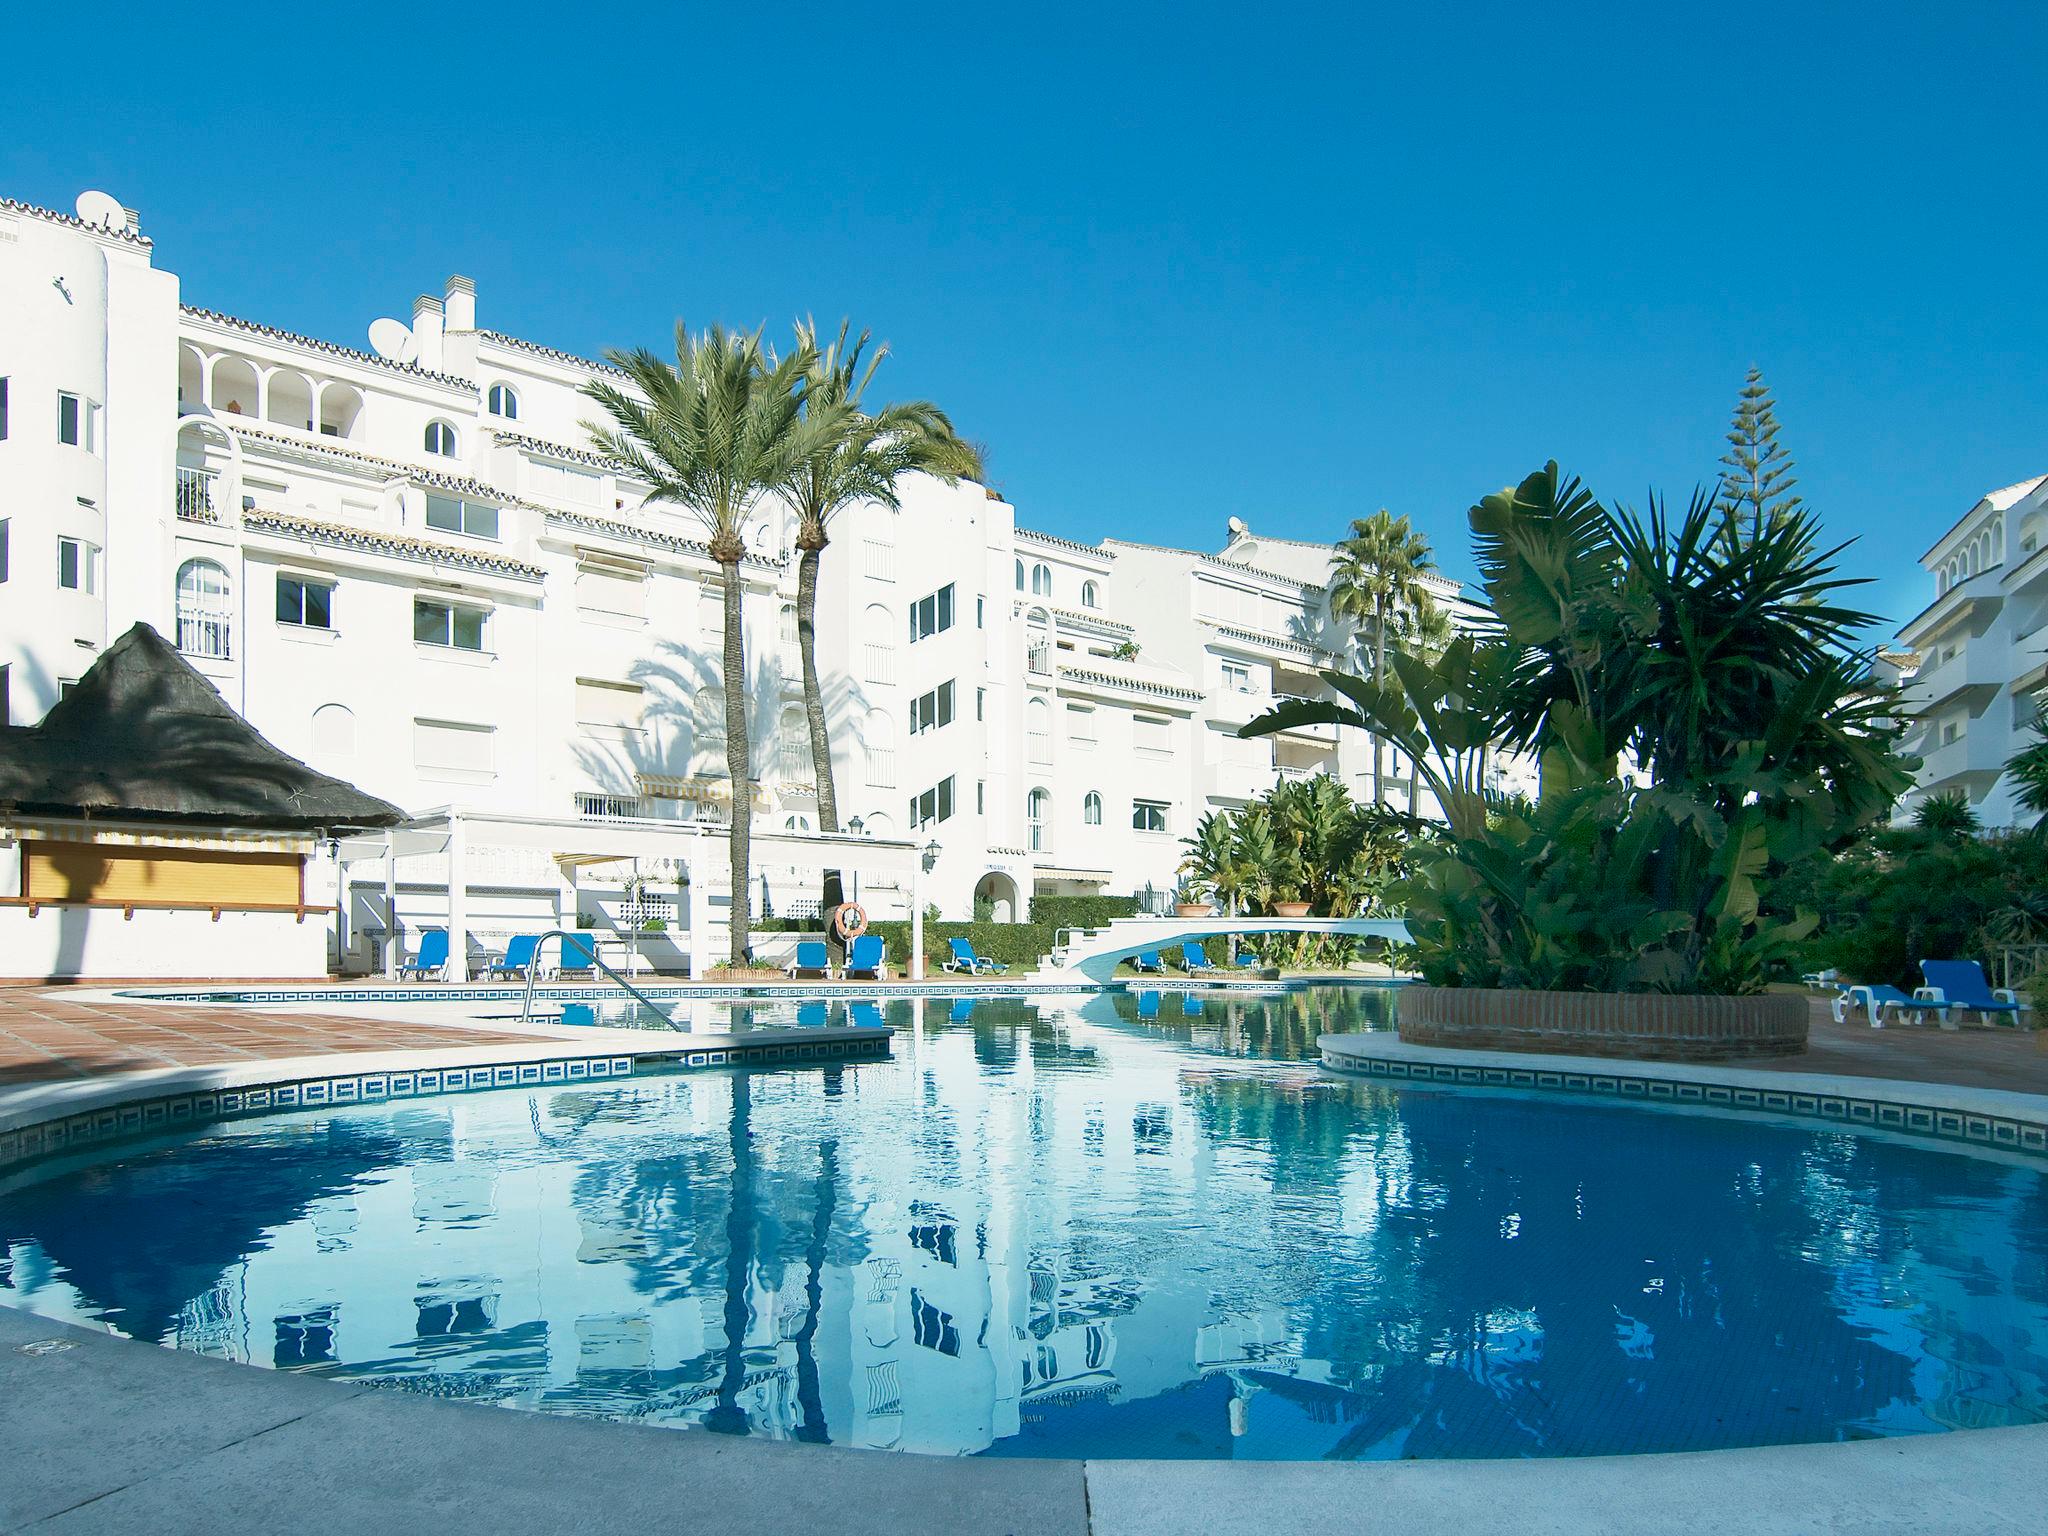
x=1976 y=756
x=1981 y=667
x=1235 y=706
x=1038 y=660
x=196 y=493
x=1322 y=735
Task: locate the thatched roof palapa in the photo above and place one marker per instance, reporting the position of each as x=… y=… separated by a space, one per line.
x=143 y=737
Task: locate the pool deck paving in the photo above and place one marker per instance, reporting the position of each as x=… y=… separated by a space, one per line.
x=102 y=1434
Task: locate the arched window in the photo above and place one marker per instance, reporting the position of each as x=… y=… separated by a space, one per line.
x=877 y=824
x=1020 y=575
x=1037 y=731
x=878 y=645
x=878 y=746
x=1091 y=595
x=441 y=439
x=1035 y=805
x=203 y=627
x=788 y=625
x=797 y=824
x=334 y=731
x=795 y=737
x=503 y=401
x=1091 y=809
x=1041 y=581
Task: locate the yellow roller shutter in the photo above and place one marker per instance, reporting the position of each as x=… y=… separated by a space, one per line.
x=186 y=877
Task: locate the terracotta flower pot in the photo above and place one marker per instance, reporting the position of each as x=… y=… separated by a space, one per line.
x=1290 y=909
x=1195 y=909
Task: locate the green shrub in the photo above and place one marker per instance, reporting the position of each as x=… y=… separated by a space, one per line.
x=1081 y=911
x=1015 y=944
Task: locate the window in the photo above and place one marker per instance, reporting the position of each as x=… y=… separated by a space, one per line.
x=78 y=566
x=981 y=797
x=78 y=421
x=451 y=514
x=933 y=806
x=620 y=591
x=1081 y=725
x=880 y=559
x=3 y=410
x=1149 y=735
x=334 y=731
x=878 y=746
x=1035 y=805
x=932 y=614
x=980 y=610
x=5 y=524
x=1148 y=815
x=932 y=710
x=6 y=695
x=309 y=604
x=607 y=708
x=1041 y=581
x=440 y=439
x=1237 y=677
x=203 y=610
x=980 y=694
x=452 y=749
x=793 y=742
x=878 y=645
x=1038 y=731
x=1091 y=595
x=1020 y=575
x=502 y=402
x=708 y=720
x=1091 y=809
x=449 y=624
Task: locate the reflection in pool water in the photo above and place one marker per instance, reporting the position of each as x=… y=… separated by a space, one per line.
x=1109 y=1227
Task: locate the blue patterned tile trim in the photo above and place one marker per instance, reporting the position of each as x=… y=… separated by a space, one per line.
x=1881 y=1114
x=27 y=1143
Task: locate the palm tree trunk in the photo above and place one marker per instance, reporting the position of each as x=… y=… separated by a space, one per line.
x=738 y=767
x=814 y=699
x=1379 y=674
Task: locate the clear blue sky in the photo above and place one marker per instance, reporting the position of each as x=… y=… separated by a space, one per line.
x=1170 y=265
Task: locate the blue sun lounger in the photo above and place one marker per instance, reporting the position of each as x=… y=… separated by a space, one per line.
x=432 y=960
x=812 y=959
x=965 y=959
x=518 y=956
x=1148 y=961
x=1195 y=958
x=864 y=958
x=578 y=954
x=1961 y=984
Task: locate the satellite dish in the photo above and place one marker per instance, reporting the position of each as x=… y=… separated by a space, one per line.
x=393 y=341
x=98 y=208
x=1238 y=528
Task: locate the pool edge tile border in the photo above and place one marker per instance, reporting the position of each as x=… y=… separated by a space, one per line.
x=1994 y=1119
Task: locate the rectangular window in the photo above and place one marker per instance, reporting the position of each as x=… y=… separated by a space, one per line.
x=448 y=624
x=932 y=710
x=606 y=707
x=981 y=797
x=1081 y=725
x=78 y=566
x=980 y=701
x=70 y=420
x=1237 y=677
x=3 y=410
x=309 y=604
x=1148 y=815
x=933 y=806
x=451 y=514
x=931 y=614
x=880 y=557
x=1148 y=734
x=5 y=524
x=620 y=591
x=6 y=711
x=980 y=603
x=451 y=747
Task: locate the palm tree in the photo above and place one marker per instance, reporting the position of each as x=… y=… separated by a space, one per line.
x=1947 y=817
x=2028 y=768
x=714 y=432
x=1377 y=584
x=858 y=457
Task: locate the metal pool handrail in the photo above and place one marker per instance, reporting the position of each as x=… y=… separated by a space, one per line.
x=588 y=948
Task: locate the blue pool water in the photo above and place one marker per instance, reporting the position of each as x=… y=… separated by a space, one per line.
x=1113 y=1228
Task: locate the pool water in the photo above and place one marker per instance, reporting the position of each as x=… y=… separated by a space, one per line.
x=1099 y=1227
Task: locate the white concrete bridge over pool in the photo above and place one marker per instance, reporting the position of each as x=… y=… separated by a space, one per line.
x=1095 y=952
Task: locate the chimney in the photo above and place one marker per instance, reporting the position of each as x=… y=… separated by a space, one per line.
x=461 y=304
x=426 y=330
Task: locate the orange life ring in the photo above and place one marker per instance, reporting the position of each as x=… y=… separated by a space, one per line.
x=849 y=921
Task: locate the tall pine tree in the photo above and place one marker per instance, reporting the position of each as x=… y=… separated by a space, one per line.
x=1756 y=475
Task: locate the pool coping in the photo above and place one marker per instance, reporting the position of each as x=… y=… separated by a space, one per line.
x=163 y=1441
x=1995 y=1119
x=43 y=1119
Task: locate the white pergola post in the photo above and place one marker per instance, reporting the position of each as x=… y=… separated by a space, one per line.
x=917 y=919
x=341 y=912
x=697 y=911
x=458 y=901
x=394 y=950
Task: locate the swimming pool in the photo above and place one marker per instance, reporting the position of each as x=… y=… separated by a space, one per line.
x=1112 y=1227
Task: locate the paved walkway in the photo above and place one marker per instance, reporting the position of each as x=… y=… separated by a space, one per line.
x=1996 y=1056
x=54 y=1035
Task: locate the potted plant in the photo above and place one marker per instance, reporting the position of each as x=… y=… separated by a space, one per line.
x=1291 y=908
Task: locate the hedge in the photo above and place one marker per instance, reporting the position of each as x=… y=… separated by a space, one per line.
x=1019 y=944
x=1081 y=911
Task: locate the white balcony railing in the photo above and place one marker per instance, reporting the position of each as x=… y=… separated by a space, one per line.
x=597 y=807
x=1038 y=660
x=197 y=495
x=878 y=663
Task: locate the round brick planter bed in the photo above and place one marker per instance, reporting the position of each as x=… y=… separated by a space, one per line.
x=1645 y=1026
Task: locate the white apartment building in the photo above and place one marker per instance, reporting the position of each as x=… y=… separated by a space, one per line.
x=1982 y=653
x=404 y=566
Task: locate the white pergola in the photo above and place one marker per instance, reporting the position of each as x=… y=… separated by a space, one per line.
x=698 y=848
